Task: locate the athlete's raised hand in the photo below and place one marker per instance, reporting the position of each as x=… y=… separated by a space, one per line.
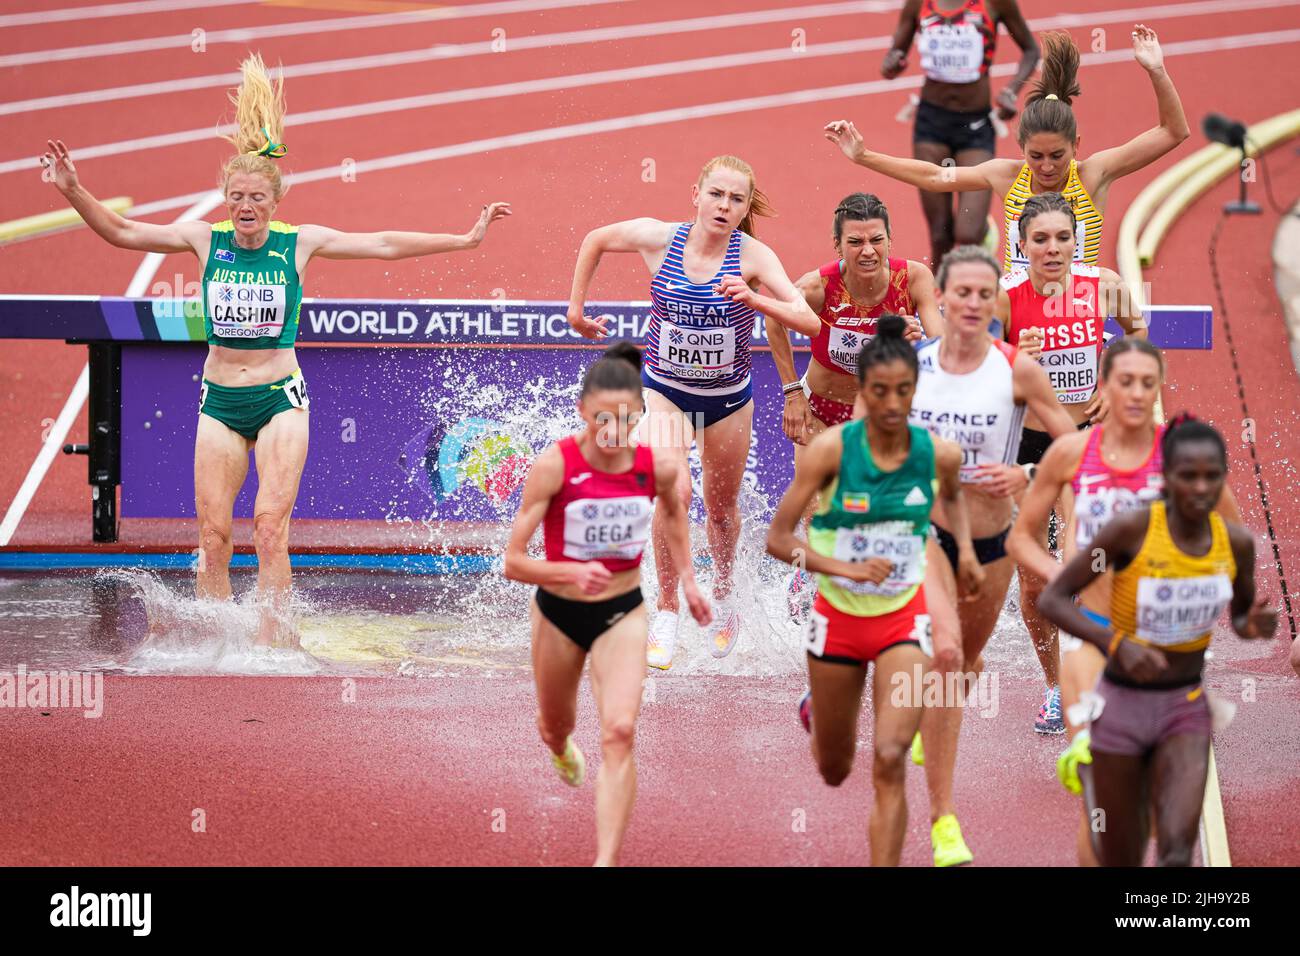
x=846 y=136
x=57 y=158
x=490 y=214
x=1146 y=48
x=592 y=577
x=1261 y=620
x=895 y=62
x=737 y=290
x=1143 y=663
x=697 y=603
x=1031 y=342
x=587 y=328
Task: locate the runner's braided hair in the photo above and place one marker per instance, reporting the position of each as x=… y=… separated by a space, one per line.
x=259 y=126
x=618 y=370
x=1042 y=203
x=860 y=206
x=1184 y=429
x=887 y=346
x=1047 y=107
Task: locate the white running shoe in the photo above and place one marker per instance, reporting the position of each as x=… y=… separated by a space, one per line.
x=662 y=640
x=724 y=630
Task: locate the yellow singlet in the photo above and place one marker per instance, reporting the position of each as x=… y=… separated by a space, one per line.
x=1169 y=599
x=1088 y=218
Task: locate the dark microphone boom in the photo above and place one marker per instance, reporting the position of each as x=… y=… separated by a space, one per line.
x=1219 y=129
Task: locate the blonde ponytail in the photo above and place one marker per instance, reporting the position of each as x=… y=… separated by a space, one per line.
x=259 y=125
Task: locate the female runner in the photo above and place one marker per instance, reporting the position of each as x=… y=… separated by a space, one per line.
x=1055 y=311
x=1106 y=471
x=593 y=494
x=253 y=395
x=1175 y=566
x=849 y=295
x=877 y=479
x=1050 y=141
x=973 y=390
x=957 y=39
x=697 y=363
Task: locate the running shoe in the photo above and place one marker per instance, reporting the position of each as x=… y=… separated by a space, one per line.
x=1049 y=719
x=949 y=848
x=805 y=710
x=918 y=752
x=1067 y=765
x=571 y=764
x=799 y=594
x=724 y=630
x=662 y=640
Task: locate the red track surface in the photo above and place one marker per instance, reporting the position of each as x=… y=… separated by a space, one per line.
x=317 y=781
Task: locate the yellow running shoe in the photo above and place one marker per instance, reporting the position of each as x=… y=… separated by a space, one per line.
x=949 y=848
x=1067 y=765
x=918 y=752
x=572 y=765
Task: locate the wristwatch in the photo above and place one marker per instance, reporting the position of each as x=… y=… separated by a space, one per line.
x=1030 y=470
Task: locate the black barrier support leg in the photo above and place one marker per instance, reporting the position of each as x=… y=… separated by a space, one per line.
x=105 y=437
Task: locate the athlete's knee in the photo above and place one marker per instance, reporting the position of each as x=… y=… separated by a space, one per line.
x=270 y=533
x=214 y=537
x=889 y=763
x=969 y=234
x=617 y=736
x=1178 y=853
x=722 y=513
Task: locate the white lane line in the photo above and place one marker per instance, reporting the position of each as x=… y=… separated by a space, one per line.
x=726 y=107
x=53 y=444
x=247 y=35
x=36 y=17
x=448 y=51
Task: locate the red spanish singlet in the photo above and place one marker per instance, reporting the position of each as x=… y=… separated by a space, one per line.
x=599 y=516
x=848 y=326
x=1072 y=327
x=956 y=47
x=1102 y=492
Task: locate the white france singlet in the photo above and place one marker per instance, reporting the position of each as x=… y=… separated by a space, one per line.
x=977 y=410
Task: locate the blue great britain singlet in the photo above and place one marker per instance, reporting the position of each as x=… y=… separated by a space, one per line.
x=699 y=340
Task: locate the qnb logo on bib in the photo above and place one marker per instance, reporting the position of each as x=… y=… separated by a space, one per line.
x=894 y=541
x=1178 y=610
x=597 y=528
x=696 y=353
x=246 y=311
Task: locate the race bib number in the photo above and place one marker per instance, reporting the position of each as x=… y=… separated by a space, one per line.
x=952 y=53
x=246 y=311
x=1018 y=257
x=203 y=395
x=1177 y=610
x=296 y=391
x=1073 y=372
x=893 y=541
x=596 y=528
x=686 y=352
x=843 y=347
x=814 y=634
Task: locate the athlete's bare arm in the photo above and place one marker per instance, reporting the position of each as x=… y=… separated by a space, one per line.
x=1101 y=169
x=333 y=244
x=896 y=59
x=920 y=284
x=543 y=483
x=1034 y=388
x=818 y=465
x=1050 y=479
x=1252 y=617
x=995 y=174
x=679 y=535
x=645 y=235
x=947 y=466
x=785 y=304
